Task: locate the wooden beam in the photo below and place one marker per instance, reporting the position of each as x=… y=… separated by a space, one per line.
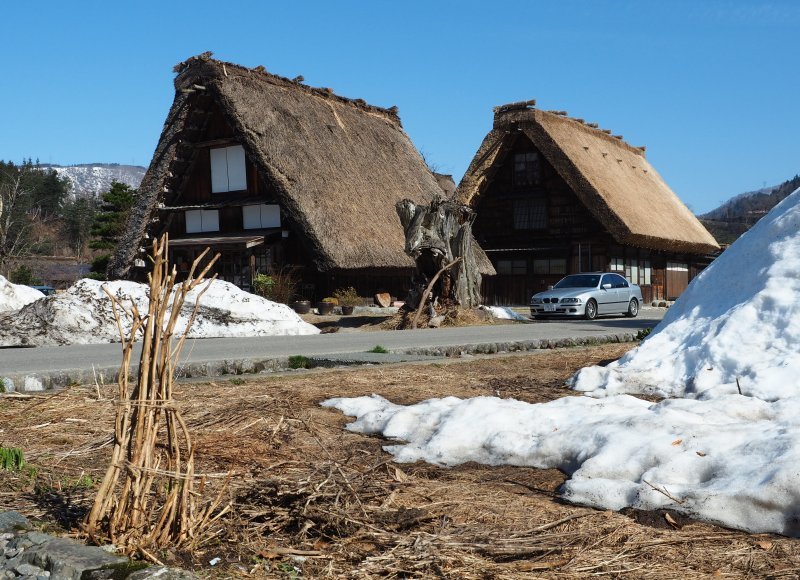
x=216 y=142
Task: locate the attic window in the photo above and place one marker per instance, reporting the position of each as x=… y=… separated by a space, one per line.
x=527 y=169
x=530 y=214
x=228 y=171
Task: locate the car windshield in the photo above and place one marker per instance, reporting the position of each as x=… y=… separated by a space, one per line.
x=579 y=281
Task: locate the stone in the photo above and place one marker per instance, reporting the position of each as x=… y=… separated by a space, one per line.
x=436 y=321
x=383 y=299
x=28 y=570
x=13 y=521
x=69 y=559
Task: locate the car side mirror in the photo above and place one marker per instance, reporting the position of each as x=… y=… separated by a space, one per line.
x=606 y=286
x=550 y=287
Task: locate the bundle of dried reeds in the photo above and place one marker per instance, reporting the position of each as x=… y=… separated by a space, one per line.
x=153 y=457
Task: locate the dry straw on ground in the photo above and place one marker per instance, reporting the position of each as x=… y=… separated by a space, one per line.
x=306 y=488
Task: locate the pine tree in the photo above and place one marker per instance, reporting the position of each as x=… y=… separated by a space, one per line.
x=78 y=216
x=109 y=223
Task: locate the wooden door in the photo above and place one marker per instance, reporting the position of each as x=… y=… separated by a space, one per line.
x=677 y=279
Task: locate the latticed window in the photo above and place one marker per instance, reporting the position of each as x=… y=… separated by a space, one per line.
x=527 y=170
x=550 y=266
x=530 y=214
x=512 y=267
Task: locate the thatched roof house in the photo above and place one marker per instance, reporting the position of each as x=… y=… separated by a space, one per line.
x=575 y=186
x=332 y=167
x=612 y=179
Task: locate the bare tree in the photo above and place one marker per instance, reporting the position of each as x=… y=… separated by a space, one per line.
x=14 y=221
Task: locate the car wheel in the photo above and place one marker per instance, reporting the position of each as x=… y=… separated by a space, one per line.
x=633 y=308
x=591 y=310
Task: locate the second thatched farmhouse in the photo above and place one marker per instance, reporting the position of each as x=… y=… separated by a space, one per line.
x=555 y=195
x=273 y=173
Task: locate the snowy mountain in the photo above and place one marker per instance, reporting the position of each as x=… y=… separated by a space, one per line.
x=96 y=178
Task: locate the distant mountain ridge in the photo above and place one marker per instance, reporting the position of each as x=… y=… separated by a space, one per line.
x=737 y=215
x=95 y=178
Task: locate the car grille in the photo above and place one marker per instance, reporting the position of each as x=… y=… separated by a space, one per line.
x=550 y=300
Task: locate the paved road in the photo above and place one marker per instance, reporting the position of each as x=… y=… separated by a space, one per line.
x=51 y=360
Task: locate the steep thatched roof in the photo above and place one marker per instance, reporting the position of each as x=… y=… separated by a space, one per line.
x=337 y=165
x=447 y=183
x=611 y=178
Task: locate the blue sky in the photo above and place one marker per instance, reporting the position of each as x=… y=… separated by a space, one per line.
x=710 y=87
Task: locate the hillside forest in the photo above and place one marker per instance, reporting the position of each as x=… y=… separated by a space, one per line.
x=43 y=226
x=737 y=215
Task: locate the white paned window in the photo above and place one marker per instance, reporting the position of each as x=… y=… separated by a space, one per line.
x=617 y=265
x=261 y=216
x=228 y=169
x=648 y=273
x=202 y=220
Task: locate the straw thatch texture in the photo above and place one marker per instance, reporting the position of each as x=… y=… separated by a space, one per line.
x=611 y=178
x=337 y=165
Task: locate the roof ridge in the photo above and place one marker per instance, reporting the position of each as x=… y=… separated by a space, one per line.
x=185 y=67
x=529 y=107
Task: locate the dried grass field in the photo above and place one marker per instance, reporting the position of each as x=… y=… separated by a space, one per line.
x=310 y=499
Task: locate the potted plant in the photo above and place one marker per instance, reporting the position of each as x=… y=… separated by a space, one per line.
x=325 y=306
x=301 y=306
x=348 y=299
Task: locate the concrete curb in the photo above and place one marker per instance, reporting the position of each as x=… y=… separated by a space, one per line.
x=37 y=382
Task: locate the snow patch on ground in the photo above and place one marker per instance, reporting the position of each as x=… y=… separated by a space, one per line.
x=504 y=312
x=83 y=315
x=709 y=452
x=732 y=461
x=15 y=296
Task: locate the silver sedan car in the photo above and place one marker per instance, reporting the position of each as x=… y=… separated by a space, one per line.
x=588 y=295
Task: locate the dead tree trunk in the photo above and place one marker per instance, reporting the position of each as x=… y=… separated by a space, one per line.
x=437 y=235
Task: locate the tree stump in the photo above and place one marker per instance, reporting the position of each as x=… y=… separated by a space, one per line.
x=439 y=239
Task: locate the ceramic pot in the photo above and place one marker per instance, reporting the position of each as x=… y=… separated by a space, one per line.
x=301 y=306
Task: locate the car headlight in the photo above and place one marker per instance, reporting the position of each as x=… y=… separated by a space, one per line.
x=536 y=300
x=570 y=300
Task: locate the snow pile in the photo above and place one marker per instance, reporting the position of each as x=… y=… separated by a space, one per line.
x=733 y=460
x=739 y=319
x=504 y=312
x=15 y=296
x=712 y=453
x=83 y=315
